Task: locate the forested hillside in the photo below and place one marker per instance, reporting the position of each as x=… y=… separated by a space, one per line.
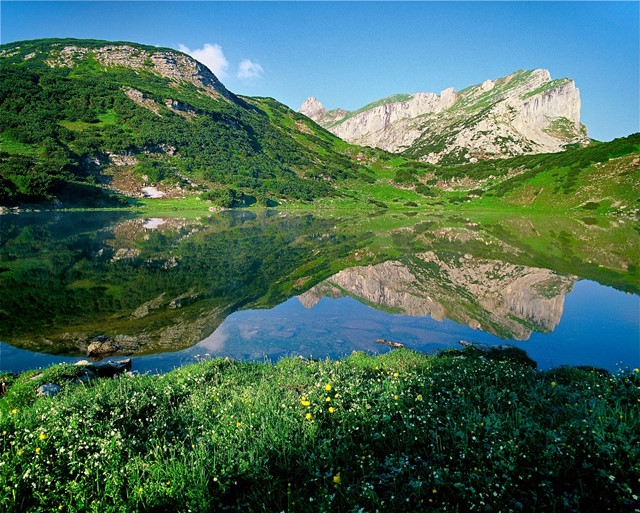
x=76 y=114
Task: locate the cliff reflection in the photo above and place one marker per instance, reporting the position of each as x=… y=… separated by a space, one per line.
x=507 y=300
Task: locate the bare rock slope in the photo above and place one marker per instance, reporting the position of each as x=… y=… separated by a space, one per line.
x=523 y=113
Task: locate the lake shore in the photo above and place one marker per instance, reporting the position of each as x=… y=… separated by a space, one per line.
x=460 y=431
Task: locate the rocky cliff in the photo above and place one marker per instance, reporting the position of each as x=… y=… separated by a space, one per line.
x=524 y=113
x=167 y=63
x=510 y=301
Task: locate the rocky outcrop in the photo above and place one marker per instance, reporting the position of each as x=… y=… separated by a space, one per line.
x=525 y=112
x=510 y=301
x=171 y=64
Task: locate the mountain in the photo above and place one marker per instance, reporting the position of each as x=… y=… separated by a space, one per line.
x=83 y=120
x=523 y=113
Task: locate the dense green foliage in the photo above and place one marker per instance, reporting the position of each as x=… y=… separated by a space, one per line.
x=463 y=431
x=55 y=120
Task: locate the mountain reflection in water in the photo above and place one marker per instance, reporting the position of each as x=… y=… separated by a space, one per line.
x=168 y=288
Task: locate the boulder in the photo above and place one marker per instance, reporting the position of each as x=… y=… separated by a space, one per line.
x=48 y=390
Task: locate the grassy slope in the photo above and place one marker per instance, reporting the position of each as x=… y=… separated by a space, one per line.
x=400 y=432
x=252 y=145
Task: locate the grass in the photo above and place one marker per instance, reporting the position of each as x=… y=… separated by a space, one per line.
x=461 y=431
x=12 y=147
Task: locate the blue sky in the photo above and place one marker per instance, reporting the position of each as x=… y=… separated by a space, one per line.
x=348 y=54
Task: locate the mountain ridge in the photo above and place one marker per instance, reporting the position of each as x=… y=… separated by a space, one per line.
x=525 y=112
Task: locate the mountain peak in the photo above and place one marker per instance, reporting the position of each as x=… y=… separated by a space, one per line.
x=312 y=107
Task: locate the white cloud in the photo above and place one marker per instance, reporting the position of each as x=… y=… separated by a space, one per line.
x=249 y=70
x=211 y=56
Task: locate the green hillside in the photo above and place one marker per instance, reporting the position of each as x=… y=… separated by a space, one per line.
x=84 y=119
x=96 y=123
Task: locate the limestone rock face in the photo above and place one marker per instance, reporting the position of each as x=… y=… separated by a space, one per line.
x=523 y=113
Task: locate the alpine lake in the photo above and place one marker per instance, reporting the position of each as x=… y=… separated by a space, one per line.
x=256 y=285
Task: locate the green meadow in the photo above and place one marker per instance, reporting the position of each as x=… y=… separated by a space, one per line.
x=465 y=430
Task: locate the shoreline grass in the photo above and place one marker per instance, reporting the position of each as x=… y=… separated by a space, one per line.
x=460 y=431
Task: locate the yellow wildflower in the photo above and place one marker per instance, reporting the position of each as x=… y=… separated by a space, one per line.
x=395 y=397
x=308 y=416
x=42 y=436
x=553 y=383
x=336 y=478
x=419 y=397
x=238 y=424
x=328 y=400
x=140 y=489
x=327 y=387
x=14 y=411
x=37 y=450
x=305 y=403
x=636 y=370
x=331 y=410
x=395 y=374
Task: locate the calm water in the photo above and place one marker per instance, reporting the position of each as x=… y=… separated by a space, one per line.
x=255 y=286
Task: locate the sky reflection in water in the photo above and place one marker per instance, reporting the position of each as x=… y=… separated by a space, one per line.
x=336 y=327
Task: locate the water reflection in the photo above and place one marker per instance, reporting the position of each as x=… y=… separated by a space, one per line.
x=112 y=284
x=507 y=300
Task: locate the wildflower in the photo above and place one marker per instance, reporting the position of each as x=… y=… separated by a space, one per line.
x=331 y=409
x=327 y=387
x=419 y=397
x=20 y=452
x=60 y=507
x=14 y=411
x=308 y=416
x=395 y=374
x=553 y=384
x=42 y=436
x=395 y=397
x=140 y=489
x=336 y=478
x=328 y=399
x=37 y=450
x=238 y=424
x=305 y=403
x=636 y=370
